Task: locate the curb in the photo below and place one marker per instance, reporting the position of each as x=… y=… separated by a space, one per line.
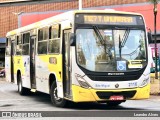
x=155 y=86
x=155 y=93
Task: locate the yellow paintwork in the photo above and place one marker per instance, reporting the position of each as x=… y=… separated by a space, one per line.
x=54 y=68
x=89 y=95
x=19 y=64
x=143 y=93
x=82 y=95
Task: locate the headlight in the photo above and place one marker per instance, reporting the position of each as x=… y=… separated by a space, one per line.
x=145 y=81
x=82 y=81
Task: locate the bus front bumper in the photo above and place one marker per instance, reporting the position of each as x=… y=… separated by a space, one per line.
x=92 y=95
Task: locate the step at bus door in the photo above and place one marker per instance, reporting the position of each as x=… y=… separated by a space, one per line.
x=66 y=63
x=12 y=60
x=32 y=61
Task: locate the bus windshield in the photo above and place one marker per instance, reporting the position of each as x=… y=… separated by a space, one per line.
x=105 y=50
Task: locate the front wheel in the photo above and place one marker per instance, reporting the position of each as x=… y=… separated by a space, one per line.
x=59 y=102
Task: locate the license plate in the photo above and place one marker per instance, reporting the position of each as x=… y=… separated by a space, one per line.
x=116 y=98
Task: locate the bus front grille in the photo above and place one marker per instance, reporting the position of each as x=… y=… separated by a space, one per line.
x=125 y=94
x=114 y=78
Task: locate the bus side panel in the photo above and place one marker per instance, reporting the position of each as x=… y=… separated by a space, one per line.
x=55 y=67
x=8 y=68
x=46 y=65
x=17 y=66
x=14 y=71
x=26 y=72
x=42 y=73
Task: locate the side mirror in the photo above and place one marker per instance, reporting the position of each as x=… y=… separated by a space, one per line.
x=72 y=39
x=150 y=37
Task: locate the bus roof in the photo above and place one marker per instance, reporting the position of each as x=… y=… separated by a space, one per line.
x=105 y=11
x=60 y=17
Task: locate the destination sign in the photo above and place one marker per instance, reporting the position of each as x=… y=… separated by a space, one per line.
x=109 y=19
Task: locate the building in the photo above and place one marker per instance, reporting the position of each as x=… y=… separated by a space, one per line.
x=17 y=13
x=11 y=10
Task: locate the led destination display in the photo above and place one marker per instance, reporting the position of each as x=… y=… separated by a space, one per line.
x=108 y=19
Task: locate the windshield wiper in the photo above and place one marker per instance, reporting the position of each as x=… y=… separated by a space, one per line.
x=123 y=41
x=125 y=37
x=120 y=48
x=100 y=37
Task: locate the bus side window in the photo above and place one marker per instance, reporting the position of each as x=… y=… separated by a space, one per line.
x=43 y=35
x=19 y=45
x=54 y=39
x=8 y=44
x=26 y=38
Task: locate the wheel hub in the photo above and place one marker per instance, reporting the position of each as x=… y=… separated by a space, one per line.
x=55 y=95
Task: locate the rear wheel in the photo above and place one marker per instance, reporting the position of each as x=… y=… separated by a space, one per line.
x=59 y=102
x=21 y=89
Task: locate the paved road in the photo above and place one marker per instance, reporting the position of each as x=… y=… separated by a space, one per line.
x=10 y=100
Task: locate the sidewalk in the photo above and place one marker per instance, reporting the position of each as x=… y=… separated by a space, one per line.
x=155 y=85
x=2 y=80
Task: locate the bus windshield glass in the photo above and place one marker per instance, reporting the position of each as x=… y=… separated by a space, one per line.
x=105 y=50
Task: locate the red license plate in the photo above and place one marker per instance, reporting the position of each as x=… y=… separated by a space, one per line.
x=116 y=98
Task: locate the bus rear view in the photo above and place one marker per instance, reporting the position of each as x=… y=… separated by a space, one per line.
x=111 y=57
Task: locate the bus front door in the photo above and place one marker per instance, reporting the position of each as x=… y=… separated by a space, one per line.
x=32 y=62
x=66 y=63
x=12 y=60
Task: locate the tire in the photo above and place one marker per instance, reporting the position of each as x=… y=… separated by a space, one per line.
x=21 y=89
x=114 y=103
x=59 y=102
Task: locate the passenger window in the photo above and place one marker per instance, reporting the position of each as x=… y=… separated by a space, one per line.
x=42 y=47
x=54 y=39
x=19 y=45
x=54 y=46
x=43 y=35
x=8 y=44
x=25 y=48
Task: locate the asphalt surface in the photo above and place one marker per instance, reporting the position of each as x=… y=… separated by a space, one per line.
x=10 y=100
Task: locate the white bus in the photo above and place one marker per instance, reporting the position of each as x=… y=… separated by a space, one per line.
x=81 y=56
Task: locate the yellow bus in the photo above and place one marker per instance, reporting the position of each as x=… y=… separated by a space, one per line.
x=81 y=56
